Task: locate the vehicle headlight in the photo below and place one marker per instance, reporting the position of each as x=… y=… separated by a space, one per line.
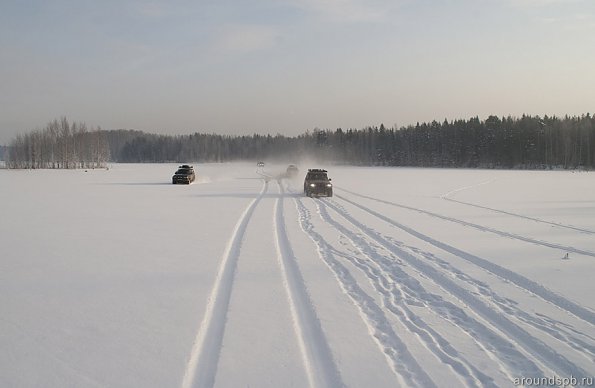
x=329 y=185
x=312 y=185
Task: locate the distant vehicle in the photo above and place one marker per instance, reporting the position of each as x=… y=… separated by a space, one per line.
x=260 y=164
x=292 y=171
x=317 y=183
x=185 y=174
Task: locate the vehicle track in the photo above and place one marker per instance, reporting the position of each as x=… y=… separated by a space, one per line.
x=580 y=342
x=204 y=357
x=562 y=332
x=404 y=366
x=446 y=197
x=508 y=275
x=399 y=290
x=318 y=359
x=545 y=354
x=563 y=248
x=514 y=363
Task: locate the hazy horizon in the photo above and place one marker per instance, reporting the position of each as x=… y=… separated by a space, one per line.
x=288 y=66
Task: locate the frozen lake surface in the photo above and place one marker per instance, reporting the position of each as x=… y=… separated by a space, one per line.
x=405 y=277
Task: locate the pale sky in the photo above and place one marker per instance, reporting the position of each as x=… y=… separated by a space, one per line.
x=287 y=66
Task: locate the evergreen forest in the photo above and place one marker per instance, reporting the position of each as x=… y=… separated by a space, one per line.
x=527 y=142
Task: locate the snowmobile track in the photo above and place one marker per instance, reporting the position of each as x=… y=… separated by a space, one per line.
x=204 y=357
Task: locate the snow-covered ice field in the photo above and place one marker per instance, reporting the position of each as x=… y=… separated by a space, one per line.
x=406 y=277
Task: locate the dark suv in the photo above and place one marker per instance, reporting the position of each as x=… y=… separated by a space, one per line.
x=185 y=174
x=317 y=183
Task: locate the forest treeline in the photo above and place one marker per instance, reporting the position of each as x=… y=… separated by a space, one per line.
x=529 y=142
x=61 y=144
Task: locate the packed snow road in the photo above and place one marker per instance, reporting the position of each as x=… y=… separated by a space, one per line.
x=405 y=277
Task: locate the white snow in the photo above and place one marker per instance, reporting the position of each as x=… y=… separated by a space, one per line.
x=405 y=277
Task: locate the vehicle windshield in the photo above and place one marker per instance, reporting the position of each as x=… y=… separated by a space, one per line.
x=183 y=171
x=318 y=177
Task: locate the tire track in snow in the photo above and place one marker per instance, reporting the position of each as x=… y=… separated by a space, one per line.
x=404 y=366
x=204 y=357
x=564 y=333
x=447 y=195
x=318 y=360
x=541 y=351
x=582 y=230
x=580 y=342
x=398 y=289
x=513 y=362
x=506 y=274
x=563 y=248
